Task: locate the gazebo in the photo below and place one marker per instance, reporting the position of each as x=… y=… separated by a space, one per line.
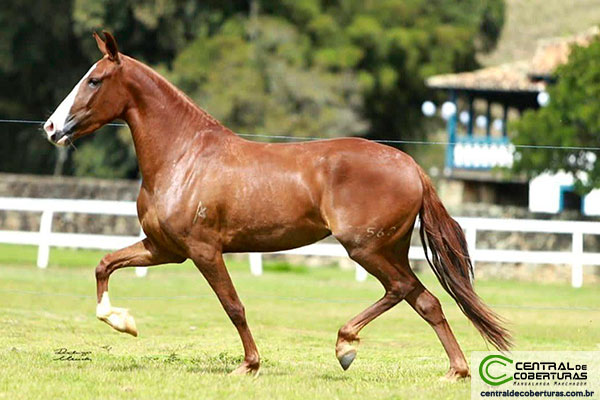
x=509 y=86
x=497 y=93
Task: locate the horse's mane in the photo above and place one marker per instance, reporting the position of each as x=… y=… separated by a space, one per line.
x=177 y=93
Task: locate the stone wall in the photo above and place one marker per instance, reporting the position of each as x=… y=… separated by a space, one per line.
x=21 y=185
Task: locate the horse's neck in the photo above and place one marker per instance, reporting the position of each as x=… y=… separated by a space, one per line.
x=164 y=123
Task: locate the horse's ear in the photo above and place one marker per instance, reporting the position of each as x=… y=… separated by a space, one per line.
x=112 y=50
x=100 y=43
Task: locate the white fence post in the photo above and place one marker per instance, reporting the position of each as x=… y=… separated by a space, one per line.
x=361 y=273
x=471 y=238
x=44 y=239
x=577 y=264
x=256 y=266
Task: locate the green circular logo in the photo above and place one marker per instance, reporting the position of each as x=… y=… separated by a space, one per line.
x=490 y=378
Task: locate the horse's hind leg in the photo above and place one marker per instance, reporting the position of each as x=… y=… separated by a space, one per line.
x=393 y=270
x=429 y=308
x=397 y=282
x=140 y=254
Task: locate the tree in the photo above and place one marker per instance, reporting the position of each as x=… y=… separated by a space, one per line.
x=572 y=119
x=254 y=77
x=386 y=48
x=301 y=67
x=45 y=49
x=149 y=30
x=35 y=45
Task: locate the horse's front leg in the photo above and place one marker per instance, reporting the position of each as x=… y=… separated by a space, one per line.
x=211 y=265
x=140 y=254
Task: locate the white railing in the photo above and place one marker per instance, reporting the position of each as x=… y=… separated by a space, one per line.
x=45 y=238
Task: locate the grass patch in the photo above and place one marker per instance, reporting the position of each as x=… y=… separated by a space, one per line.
x=281 y=266
x=187 y=344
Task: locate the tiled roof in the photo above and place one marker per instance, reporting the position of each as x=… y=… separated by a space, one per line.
x=517 y=76
x=504 y=77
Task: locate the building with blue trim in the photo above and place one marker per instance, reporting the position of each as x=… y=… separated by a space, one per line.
x=477 y=130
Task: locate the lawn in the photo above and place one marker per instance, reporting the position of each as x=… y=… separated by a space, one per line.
x=187 y=345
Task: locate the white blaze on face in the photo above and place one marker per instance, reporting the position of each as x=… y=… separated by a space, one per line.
x=58 y=119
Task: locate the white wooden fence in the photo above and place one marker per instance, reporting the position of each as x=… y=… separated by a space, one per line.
x=45 y=238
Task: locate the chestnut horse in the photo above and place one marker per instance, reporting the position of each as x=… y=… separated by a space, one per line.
x=206 y=191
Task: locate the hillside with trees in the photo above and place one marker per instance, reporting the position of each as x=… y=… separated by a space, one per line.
x=295 y=67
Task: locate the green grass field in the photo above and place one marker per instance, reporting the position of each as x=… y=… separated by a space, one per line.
x=187 y=345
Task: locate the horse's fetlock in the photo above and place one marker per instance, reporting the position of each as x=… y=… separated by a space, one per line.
x=347 y=334
x=253 y=361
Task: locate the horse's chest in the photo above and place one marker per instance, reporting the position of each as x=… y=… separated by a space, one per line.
x=148 y=217
x=153 y=220
x=174 y=217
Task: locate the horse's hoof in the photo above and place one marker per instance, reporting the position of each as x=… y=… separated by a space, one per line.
x=245 y=370
x=456 y=374
x=346 y=356
x=120 y=320
x=130 y=326
x=347 y=359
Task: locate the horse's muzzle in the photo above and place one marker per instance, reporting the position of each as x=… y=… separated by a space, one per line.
x=60 y=137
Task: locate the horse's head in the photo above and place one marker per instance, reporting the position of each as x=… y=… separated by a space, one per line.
x=97 y=99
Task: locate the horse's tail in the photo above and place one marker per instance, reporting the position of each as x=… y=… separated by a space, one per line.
x=451 y=264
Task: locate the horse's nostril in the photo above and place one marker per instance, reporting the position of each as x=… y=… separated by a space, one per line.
x=49 y=127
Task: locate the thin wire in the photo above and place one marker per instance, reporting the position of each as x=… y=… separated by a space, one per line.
x=309 y=138
x=268 y=297
x=35 y=122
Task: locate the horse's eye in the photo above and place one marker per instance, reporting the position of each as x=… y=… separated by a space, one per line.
x=94 y=82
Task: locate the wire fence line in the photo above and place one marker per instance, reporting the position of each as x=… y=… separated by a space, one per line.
x=305 y=299
x=279 y=298
x=384 y=141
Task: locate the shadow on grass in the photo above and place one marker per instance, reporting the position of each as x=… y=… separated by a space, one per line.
x=335 y=378
x=133 y=366
x=220 y=364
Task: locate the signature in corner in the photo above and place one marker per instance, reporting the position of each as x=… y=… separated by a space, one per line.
x=65 y=354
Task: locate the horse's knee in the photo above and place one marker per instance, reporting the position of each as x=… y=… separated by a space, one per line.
x=102 y=269
x=429 y=307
